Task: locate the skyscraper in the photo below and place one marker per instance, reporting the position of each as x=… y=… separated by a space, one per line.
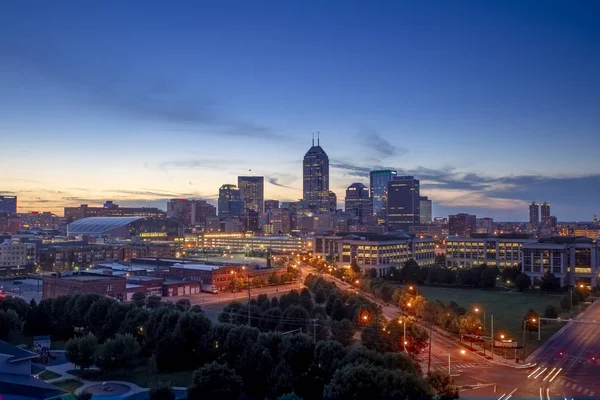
x=271 y=205
x=379 y=192
x=358 y=202
x=315 y=186
x=545 y=214
x=426 y=210
x=230 y=201
x=252 y=189
x=201 y=210
x=534 y=214
x=181 y=210
x=403 y=203
x=8 y=204
x=332 y=201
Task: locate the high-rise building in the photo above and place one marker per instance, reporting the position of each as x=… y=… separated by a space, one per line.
x=403 y=203
x=462 y=224
x=426 y=210
x=271 y=205
x=332 y=201
x=201 y=210
x=181 y=210
x=534 y=214
x=281 y=219
x=545 y=214
x=252 y=189
x=8 y=204
x=379 y=191
x=315 y=185
x=230 y=201
x=358 y=202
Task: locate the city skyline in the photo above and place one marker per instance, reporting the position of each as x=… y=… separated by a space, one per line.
x=175 y=103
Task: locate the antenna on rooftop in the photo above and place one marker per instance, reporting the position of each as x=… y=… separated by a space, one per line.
x=318 y=144
x=313 y=139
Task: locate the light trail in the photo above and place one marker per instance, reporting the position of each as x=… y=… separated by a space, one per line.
x=550 y=373
x=501 y=397
x=537 y=369
x=538 y=375
x=510 y=394
x=555 y=375
x=548 y=393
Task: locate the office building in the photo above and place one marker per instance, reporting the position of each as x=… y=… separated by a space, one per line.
x=358 y=203
x=8 y=204
x=9 y=223
x=250 y=219
x=252 y=190
x=494 y=251
x=534 y=214
x=201 y=210
x=372 y=251
x=110 y=209
x=231 y=203
x=315 y=185
x=462 y=224
x=573 y=260
x=379 y=192
x=425 y=206
x=39 y=220
x=281 y=220
x=332 y=201
x=545 y=214
x=271 y=205
x=238 y=242
x=403 y=203
x=181 y=210
x=485 y=225
x=16 y=257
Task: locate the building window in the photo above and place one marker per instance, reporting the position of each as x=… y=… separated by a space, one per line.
x=109 y=288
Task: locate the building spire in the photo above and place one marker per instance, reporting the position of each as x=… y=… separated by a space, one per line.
x=318 y=141
x=313 y=139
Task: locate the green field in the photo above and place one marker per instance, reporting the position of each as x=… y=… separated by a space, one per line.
x=508 y=308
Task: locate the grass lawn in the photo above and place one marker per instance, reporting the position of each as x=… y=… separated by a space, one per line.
x=141 y=376
x=68 y=384
x=508 y=308
x=48 y=375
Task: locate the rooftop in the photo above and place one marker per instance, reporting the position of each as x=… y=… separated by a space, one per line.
x=565 y=240
x=98 y=225
x=17 y=353
x=27 y=387
x=85 y=278
x=199 y=267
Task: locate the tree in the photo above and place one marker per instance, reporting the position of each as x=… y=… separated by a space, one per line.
x=289 y=396
x=161 y=391
x=523 y=282
x=442 y=385
x=139 y=299
x=338 y=312
x=215 y=382
x=488 y=276
x=83 y=396
x=86 y=349
x=343 y=332
x=294 y=317
x=550 y=283
x=510 y=274
x=550 y=311
x=119 y=352
x=16 y=304
x=153 y=301
x=10 y=323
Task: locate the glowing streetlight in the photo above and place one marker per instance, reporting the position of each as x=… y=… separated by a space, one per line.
x=463 y=351
x=502 y=336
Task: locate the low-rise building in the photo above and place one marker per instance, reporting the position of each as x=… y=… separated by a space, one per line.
x=494 y=251
x=16 y=258
x=62 y=284
x=573 y=260
x=375 y=251
x=242 y=242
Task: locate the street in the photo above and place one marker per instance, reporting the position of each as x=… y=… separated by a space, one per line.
x=241 y=295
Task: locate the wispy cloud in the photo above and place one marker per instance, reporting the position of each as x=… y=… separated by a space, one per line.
x=379 y=145
x=282 y=180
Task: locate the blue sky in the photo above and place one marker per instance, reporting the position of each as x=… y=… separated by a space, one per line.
x=491 y=104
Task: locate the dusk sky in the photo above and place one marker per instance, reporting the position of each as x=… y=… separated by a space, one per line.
x=492 y=104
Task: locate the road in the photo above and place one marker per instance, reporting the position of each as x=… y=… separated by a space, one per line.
x=242 y=295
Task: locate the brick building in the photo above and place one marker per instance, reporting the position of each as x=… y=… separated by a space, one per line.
x=57 y=284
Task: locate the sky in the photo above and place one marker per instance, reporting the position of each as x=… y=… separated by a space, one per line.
x=491 y=104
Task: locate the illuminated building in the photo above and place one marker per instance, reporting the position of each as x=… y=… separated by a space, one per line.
x=545 y=214
x=534 y=214
x=495 y=251
x=8 y=204
x=403 y=203
x=332 y=201
x=241 y=242
x=315 y=186
x=358 y=203
x=252 y=190
x=111 y=209
x=379 y=192
x=16 y=257
x=573 y=260
x=462 y=224
x=126 y=227
x=230 y=201
x=181 y=210
x=281 y=220
x=271 y=205
x=425 y=209
x=485 y=225
x=371 y=251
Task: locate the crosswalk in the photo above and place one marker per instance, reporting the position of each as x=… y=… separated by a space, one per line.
x=573 y=387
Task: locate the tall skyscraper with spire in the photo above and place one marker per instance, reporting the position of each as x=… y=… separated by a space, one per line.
x=316 y=178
